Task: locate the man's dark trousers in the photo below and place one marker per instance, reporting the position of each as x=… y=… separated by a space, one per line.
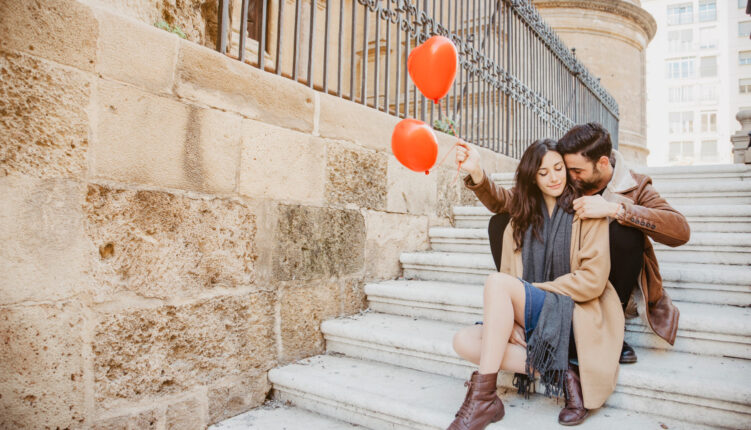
x=626 y=253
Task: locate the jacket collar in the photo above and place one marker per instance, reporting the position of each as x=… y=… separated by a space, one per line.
x=622 y=180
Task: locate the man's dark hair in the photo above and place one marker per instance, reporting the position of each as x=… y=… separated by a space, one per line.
x=591 y=140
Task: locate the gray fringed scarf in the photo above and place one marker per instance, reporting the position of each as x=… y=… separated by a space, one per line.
x=548 y=345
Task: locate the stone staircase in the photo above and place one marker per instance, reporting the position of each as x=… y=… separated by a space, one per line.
x=394 y=367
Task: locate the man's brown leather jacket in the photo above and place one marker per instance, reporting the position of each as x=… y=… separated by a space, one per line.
x=645 y=210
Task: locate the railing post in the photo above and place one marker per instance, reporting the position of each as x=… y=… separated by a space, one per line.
x=223 y=14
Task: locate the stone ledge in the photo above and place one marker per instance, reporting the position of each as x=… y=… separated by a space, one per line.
x=136 y=53
x=206 y=76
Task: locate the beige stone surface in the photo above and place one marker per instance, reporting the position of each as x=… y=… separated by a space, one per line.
x=209 y=77
x=172 y=348
x=146 y=139
x=408 y=191
x=43 y=120
x=193 y=17
x=356 y=176
x=344 y=120
x=314 y=243
x=142 y=420
x=63 y=31
x=187 y=414
x=303 y=307
x=353 y=295
x=388 y=236
x=234 y=396
x=450 y=192
x=42 y=367
x=136 y=53
x=44 y=252
x=280 y=164
x=597 y=29
x=157 y=244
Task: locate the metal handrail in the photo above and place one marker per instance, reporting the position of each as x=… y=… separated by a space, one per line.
x=517 y=82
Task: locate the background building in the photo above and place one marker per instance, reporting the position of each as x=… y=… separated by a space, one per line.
x=698 y=78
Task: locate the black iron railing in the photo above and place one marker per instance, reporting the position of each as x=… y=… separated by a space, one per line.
x=517 y=81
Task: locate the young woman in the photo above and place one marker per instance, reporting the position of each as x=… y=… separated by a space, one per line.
x=554 y=267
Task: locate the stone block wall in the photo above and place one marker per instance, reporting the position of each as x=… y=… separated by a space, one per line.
x=176 y=223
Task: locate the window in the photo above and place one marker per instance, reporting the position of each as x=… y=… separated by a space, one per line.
x=709 y=93
x=744 y=86
x=680 y=14
x=680 y=40
x=707 y=10
x=680 y=68
x=708 y=148
x=744 y=28
x=709 y=122
x=744 y=58
x=742 y=4
x=681 y=150
x=681 y=94
x=708 y=38
x=708 y=67
x=681 y=122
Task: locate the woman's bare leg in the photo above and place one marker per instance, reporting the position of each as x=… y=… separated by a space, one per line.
x=468 y=342
x=503 y=303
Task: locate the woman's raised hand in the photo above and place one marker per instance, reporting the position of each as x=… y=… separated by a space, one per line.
x=468 y=160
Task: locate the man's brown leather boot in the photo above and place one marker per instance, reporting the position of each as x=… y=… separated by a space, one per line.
x=574 y=412
x=481 y=406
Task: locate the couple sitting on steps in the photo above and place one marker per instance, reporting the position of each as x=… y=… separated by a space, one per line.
x=576 y=246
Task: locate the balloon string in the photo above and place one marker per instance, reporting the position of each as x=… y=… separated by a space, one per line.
x=458 y=167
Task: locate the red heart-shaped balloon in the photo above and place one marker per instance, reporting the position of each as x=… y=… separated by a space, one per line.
x=414 y=145
x=432 y=67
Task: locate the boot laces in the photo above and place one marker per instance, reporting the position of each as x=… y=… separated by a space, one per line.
x=465 y=411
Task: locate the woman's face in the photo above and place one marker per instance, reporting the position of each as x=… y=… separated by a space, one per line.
x=551 y=176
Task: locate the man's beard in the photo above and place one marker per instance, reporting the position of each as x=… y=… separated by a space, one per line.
x=592 y=185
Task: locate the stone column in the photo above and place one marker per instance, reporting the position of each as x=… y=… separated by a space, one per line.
x=611 y=37
x=741 y=149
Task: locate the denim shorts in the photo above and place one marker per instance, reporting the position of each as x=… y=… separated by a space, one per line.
x=534 y=299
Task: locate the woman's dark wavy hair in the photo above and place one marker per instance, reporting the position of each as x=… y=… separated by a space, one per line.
x=527 y=197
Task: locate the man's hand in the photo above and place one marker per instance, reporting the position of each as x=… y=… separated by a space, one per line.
x=517 y=336
x=595 y=207
x=468 y=160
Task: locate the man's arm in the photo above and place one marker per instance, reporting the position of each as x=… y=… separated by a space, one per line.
x=650 y=213
x=653 y=215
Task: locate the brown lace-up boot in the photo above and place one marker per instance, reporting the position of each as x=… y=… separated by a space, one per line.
x=481 y=406
x=574 y=412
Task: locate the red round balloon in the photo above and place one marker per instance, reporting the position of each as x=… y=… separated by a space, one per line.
x=432 y=67
x=414 y=144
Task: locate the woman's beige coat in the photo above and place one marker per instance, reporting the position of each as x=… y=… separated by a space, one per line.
x=598 y=317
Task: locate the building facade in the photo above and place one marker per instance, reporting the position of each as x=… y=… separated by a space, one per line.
x=698 y=79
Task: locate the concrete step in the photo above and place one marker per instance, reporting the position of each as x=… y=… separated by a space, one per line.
x=703 y=329
x=702 y=283
x=392 y=339
x=701 y=218
x=733 y=172
x=681 y=192
x=472 y=268
x=382 y=396
x=276 y=416
x=682 y=174
x=714 y=248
